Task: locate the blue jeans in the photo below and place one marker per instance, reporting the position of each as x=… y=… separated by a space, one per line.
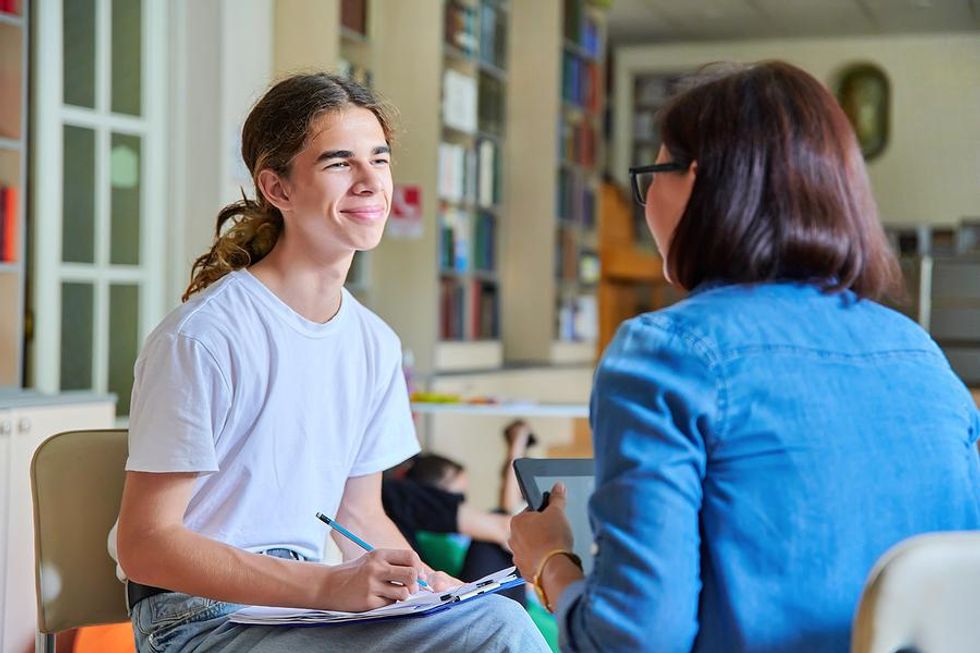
x=174 y=622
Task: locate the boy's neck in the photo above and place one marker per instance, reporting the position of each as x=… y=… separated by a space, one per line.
x=310 y=286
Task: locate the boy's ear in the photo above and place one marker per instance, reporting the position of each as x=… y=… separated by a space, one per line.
x=274 y=189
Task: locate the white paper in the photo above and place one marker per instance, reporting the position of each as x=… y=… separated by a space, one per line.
x=420 y=602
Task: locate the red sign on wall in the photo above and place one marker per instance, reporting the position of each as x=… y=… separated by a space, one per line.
x=405 y=220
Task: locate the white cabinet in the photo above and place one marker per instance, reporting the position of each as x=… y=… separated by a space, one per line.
x=26 y=422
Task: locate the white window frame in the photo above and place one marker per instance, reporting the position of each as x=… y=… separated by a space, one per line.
x=49 y=118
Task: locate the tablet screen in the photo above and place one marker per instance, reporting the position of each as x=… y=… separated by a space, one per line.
x=580 y=488
x=538 y=475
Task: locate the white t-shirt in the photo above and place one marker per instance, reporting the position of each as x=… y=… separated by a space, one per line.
x=274 y=411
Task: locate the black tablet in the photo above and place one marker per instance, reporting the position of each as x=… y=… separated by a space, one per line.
x=537 y=476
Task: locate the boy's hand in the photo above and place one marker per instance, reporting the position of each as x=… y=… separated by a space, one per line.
x=377 y=578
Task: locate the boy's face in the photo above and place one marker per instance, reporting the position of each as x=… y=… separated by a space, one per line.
x=340 y=184
x=456 y=483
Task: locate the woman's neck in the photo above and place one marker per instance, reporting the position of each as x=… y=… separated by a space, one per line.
x=308 y=284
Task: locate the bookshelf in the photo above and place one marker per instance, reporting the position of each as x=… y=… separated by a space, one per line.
x=14 y=48
x=556 y=319
x=474 y=86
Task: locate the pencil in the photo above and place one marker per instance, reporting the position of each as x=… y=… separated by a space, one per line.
x=353 y=538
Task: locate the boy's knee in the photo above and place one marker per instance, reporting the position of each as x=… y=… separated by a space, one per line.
x=503 y=608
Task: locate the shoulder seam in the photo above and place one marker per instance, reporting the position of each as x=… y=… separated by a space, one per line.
x=711 y=360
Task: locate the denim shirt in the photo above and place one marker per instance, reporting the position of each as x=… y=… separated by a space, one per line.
x=757 y=448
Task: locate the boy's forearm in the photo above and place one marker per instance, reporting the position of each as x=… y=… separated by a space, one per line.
x=184 y=561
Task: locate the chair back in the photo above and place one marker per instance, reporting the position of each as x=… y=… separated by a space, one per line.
x=922 y=596
x=77 y=481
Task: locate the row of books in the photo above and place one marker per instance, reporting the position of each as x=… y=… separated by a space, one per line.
x=460 y=28
x=582 y=29
x=581 y=82
x=493 y=35
x=467 y=242
x=655 y=89
x=468 y=309
x=491 y=104
x=459 y=101
x=576 y=199
x=578 y=319
x=353 y=15
x=939 y=240
x=577 y=141
x=8 y=224
x=574 y=265
x=470 y=175
x=473 y=34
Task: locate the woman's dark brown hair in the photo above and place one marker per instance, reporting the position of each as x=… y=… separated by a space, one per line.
x=275 y=131
x=781 y=190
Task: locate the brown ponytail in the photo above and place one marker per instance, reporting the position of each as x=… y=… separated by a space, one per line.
x=254 y=230
x=274 y=132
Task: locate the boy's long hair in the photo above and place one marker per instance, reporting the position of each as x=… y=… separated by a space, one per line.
x=275 y=131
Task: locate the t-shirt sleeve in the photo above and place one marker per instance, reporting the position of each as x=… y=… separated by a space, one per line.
x=390 y=434
x=180 y=403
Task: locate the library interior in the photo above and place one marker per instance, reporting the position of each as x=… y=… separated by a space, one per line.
x=514 y=249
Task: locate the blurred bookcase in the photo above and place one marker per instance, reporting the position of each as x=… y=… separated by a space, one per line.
x=941 y=271
x=474 y=87
x=14 y=61
x=553 y=245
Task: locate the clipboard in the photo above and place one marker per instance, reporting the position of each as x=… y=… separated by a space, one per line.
x=420 y=604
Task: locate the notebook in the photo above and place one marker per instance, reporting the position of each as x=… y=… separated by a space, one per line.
x=419 y=604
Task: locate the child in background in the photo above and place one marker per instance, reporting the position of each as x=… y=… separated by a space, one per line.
x=429 y=494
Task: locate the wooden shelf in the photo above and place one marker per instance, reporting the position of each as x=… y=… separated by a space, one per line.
x=353 y=36
x=507 y=408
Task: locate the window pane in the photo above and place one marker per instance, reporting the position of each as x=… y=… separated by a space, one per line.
x=124 y=163
x=127 y=56
x=79 y=52
x=123 y=341
x=77 y=327
x=78 y=203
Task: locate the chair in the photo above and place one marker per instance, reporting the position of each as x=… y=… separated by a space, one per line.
x=76 y=481
x=922 y=597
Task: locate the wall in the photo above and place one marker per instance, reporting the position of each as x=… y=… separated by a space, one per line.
x=930 y=171
x=222 y=62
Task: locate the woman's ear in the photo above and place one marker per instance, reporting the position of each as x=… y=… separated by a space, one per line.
x=274 y=190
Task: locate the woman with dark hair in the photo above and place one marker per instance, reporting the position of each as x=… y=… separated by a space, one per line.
x=761 y=443
x=272 y=394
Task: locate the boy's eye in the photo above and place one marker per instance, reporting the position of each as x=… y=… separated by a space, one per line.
x=382 y=161
x=338 y=165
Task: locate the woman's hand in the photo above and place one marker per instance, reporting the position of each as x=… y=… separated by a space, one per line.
x=377 y=578
x=534 y=534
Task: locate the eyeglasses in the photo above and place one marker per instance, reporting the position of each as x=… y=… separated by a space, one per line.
x=642 y=176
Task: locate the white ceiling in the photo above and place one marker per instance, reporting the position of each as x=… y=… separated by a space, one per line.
x=658 y=21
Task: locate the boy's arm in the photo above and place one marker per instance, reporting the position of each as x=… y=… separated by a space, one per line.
x=155 y=548
x=362 y=512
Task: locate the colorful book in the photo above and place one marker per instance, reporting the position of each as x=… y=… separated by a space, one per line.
x=9 y=225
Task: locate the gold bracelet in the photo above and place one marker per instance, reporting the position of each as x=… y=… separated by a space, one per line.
x=538 y=587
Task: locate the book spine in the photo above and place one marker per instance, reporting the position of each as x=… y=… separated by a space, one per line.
x=9 y=253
